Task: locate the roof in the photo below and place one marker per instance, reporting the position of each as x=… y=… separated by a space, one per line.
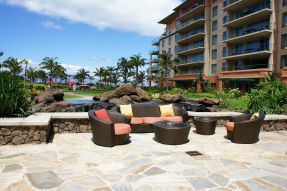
x=185 y=4
x=168 y=18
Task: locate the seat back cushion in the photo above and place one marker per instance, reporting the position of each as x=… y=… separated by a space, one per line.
x=103 y=115
x=166 y=110
x=173 y=118
x=145 y=110
x=126 y=110
x=122 y=129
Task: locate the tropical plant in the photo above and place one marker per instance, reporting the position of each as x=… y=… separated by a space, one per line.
x=141 y=77
x=49 y=64
x=110 y=71
x=32 y=74
x=1 y=54
x=269 y=96
x=14 y=97
x=81 y=75
x=105 y=75
x=25 y=62
x=137 y=61
x=166 y=63
x=42 y=75
x=100 y=72
x=90 y=78
x=124 y=67
x=59 y=72
x=13 y=65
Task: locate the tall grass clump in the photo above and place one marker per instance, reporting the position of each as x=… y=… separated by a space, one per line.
x=14 y=97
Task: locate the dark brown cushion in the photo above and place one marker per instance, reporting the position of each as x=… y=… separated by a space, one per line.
x=145 y=110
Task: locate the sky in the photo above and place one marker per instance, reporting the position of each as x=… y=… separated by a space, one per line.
x=80 y=33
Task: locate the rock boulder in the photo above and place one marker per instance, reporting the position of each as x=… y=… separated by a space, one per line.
x=175 y=98
x=142 y=94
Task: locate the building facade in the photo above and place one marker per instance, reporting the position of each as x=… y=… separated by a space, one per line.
x=233 y=43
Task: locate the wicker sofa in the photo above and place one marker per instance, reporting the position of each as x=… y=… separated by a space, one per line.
x=152 y=113
x=241 y=129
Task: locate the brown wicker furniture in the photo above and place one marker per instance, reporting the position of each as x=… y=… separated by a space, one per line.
x=241 y=129
x=152 y=112
x=204 y=125
x=109 y=134
x=171 y=133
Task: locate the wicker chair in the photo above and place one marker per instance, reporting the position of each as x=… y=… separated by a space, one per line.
x=104 y=132
x=245 y=131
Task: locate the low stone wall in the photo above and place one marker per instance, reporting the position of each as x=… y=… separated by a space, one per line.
x=23 y=134
x=276 y=125
x=70 y=126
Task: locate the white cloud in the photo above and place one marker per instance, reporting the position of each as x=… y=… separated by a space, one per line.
x=51 y=25
x=140 y=16
x=73 y=69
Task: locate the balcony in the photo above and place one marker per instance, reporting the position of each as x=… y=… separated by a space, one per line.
x=194 y=9
x=191 y=36
x=155 y=51
x=254 y=53
x=191 y=49
x=255 y=73
x=155 y=60
x=154 y=68
x=252 y=33
x=249 y=16
x=156 y=41
x=195 y=22
x=233 y=5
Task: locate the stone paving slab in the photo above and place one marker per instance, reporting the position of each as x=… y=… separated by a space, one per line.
x=73 y=162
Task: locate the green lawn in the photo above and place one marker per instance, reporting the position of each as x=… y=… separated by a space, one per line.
x=69 y=97
x=92 y=92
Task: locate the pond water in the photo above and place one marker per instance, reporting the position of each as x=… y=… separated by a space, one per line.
x=81 y=102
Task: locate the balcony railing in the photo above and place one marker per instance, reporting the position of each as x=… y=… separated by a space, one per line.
x=248 y=11
x=190 y=47
x=156 y=40
x=246 y=67
x=248 y=31
x=155 y=67
x=229 y=2
x=263 y=47
x=189 y=72
x=189 y=34
x=155 y=60
x=190 y=21
x=193 y=6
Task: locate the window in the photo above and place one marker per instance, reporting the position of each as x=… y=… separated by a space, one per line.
x=284 y=19
x=283 y=61
x=224 y=35
x=214 y=54
x=224 y=51
x=284 y=2
x=214 y=39
x=214 y=68
x=169 y=40
x=214 y=25
x=162 y=43
x=224 y=66
x=169 y=51
x=214 y=11
x=225 y=19
x=284 y=41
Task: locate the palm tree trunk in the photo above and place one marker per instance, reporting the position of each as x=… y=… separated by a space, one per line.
x=137 y=70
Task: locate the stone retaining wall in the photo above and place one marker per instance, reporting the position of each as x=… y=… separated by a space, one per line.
x=23 y=134
x=70 y=126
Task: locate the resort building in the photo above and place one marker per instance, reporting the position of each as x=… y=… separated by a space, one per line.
x=233 y=43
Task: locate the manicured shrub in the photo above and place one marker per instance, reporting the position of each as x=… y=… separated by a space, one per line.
x=14 y=97
x=236 y=104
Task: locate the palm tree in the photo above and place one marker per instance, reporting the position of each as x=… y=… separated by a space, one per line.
x=32 y=74
x=50 y=65
x=42 y=75
x=13 y=65
x=105 y=75
x=137 y=61
x=25 y=62
x=100 y=72
x=90 y=78
x=1 y=54
x=59 y=72
x=166 y=63
x=141 y=77
x=110 y=70
x=81 y=75
x=124 y=67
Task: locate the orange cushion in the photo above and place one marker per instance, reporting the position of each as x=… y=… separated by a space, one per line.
x=103 y=115
x=230 y=126
x=137 y=120
x=151 y=120
x=122 y=128
x=173 y=118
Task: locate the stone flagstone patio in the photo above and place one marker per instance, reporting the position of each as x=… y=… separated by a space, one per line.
x=73 y=162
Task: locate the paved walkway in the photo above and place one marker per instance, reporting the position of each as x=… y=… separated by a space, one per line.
x=73 y=162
